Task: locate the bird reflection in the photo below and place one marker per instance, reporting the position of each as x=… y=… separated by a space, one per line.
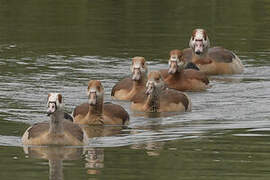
x=101 y=131
x=55 y=155
x=155 y=114
x=94 y=160
x=152 y=148
x=95 y=156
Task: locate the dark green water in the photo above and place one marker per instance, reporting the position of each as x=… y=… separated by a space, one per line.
x=58 y=46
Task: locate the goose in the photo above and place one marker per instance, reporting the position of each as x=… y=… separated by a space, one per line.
x=129 y=87
x=95 y=112
x=58 y=131
x=158 y=98
x=182 y=79
x=212 y=61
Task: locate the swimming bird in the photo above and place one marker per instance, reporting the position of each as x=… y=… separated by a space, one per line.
x=179 y=78
x=95 y=112
x=58 y=131
x=158 y=98
x=212 y=61
x=129 y=87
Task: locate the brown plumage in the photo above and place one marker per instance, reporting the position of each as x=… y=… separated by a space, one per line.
x=166 y=95
x=40 y=128
x=116 y=111
x=212 y=61
x=187 y=80
x=158 y=98
x=219 y=54
x=175 y=97
x=179 y=78
x=110 y=110
x=82 y=110
x=123 y=84
x=128 y=87
x=187 y=55
x=95 y=112
x=58 y=131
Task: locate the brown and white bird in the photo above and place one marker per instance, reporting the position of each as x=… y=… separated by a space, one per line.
x=158 y=98
x=182 y=79
x=212 y=61
x=58 y=131
x=95 y=112
x=129 y=87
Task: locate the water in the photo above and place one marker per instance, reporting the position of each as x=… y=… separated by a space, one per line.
x=58 y=46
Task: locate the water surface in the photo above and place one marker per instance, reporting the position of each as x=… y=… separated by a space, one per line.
x=58 y=46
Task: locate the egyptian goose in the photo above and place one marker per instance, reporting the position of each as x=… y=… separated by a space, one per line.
x=212 y=61
x=158 y=98
x=179 y=78
x=57 y=131
x=95 y=112
x=128 y=87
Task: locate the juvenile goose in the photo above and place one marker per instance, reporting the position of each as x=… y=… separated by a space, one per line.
x=128 y=87
x=212 y=61
x=179 y=78
x=158 y=98
x=95 y=112
x=57 y=131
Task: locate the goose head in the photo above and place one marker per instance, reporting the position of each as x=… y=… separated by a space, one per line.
x=95 y=92
x=155 y=83
x=175 y=61
x=199 y=42
x=138 y=68
x=54 y=103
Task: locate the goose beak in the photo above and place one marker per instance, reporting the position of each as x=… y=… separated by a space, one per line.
x=52 y=108
x=92 y=98
x=136 y=74
x=173 y=67
x=150 y=88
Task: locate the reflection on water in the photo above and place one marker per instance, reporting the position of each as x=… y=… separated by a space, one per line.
x=94 y=158
x=231 y=153
x=101 y=131
x=151 y=148
x=59 y=46
x=55 y=155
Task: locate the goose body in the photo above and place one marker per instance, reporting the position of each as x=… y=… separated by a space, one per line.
x=129 y=87
x=158 y=98
x=179 y=78
x=212 y=61
x=58 y=131
x=95 y=112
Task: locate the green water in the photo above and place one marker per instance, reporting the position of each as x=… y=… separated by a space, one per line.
x=58 y=46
